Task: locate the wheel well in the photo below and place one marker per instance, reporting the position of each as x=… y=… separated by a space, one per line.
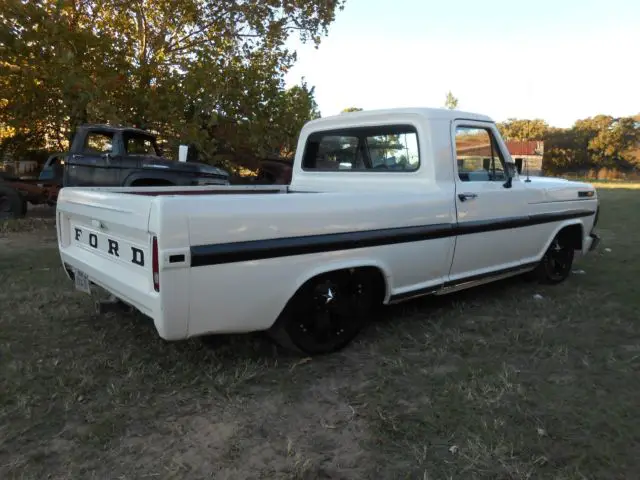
x=151 y=182
x=380 y=284
x=571 y=235
x=375 y=273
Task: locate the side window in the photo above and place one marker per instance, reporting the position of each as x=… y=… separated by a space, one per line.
x=478 y=156
x=139 y=145
x=98 y=142
x=381 y=148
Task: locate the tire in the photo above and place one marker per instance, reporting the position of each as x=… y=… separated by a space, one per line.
x=556 y=263
x=327 y=312
x=11 y=203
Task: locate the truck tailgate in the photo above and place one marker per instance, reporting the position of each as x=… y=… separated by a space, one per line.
x=103 y=238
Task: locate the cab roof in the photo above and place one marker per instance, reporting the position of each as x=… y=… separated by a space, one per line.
x=372 y=115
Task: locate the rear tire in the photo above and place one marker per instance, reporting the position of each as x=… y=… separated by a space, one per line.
x=556 y=263
x=327 y=312
x=11 y=203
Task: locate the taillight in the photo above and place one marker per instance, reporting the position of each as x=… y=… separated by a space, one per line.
x=156 y=268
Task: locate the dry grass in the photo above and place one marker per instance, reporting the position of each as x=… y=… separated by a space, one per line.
x=492 y=383
x=617 y=185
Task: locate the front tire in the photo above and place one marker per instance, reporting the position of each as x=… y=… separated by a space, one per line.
x=327 y=312
x=556 y=263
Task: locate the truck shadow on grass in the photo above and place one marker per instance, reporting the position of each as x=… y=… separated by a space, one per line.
x=258 y=346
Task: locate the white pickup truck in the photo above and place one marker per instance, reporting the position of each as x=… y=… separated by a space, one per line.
x=383 y=206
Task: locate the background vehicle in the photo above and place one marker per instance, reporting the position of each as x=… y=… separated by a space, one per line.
x=104 y=155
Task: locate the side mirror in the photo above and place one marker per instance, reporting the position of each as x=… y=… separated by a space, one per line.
x=510 y=173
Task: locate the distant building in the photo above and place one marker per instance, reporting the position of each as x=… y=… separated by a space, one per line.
x=530 y=151
x=527 y=153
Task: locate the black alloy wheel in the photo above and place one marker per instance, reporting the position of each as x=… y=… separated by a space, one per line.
x=327 y=312
x=557 y=262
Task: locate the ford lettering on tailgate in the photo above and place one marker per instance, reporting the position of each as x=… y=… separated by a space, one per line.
x=116 y=248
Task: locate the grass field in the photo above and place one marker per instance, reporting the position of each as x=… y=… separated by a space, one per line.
x=490 y=383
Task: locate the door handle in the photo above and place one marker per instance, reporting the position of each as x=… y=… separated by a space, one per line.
x=467 y=196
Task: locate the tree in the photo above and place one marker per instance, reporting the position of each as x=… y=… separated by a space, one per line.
x=595 y=142
x=351 y=109
x=451 y=102
x=523 y=129
x=194 y=70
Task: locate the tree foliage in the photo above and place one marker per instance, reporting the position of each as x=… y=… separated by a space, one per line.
x=523 y=129
x=206 y=72
x=451 y=102
x=591 y=143
x=594 y=143
x=351 y=109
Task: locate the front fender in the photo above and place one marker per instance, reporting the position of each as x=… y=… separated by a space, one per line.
x=564 y=224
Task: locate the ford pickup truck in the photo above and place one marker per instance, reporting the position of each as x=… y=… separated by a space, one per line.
x=383 y=206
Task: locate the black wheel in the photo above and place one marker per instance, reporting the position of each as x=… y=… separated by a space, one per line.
x=327 y=312
x=10 y=203
x=556 y=263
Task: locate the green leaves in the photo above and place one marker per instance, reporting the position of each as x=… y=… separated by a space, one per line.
x=596 y=142
x=206 y=71
x=523 y=129
x=451 y=102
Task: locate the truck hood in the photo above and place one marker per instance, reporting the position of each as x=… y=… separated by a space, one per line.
x=550 y=189
x=194 y=168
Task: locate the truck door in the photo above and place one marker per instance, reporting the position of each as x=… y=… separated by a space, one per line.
x=136 y=147
x=491 y=214
x=92 y=165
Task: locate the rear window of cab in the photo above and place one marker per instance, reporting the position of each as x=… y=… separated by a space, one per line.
x=363 y=149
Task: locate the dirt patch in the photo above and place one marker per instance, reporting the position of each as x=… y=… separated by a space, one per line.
x=318 y=436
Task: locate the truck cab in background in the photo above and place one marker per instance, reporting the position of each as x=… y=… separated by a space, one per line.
x=105 y=155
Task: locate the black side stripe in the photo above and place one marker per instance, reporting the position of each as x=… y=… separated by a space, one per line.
x=289 y=246
x=221 y=253
x=481 y=226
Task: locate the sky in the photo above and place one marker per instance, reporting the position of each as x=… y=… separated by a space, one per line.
x=559 y=60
